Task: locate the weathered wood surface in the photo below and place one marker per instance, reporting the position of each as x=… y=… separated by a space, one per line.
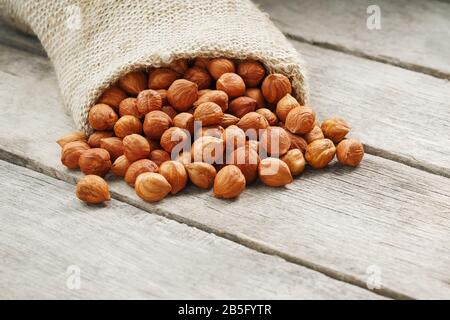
x=124 y=252
x=341 y=222
x=414 y=34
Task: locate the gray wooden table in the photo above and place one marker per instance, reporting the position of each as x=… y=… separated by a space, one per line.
x=379 y=231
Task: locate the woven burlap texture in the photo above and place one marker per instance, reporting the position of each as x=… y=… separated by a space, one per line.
x=93 y=42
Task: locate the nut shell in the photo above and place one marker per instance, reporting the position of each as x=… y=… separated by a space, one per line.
x=252 y=72
x=102 y=117
x=135 y=147
x=170 y=111
x=229 y=182
x=155 y=123
x=113 y=145
x=274 y=172
x=147 y=101
x=350 y=152
x=256 y=94
x=208 y=149
x=138 y=167
x=159 y=156
x=228 y=120
x=234 y=137
x=95 y=138
x=246 y=158
x=315 y=134
x=335 y=129
x=242 y=105
x=208 y=114
x=216 y=96
x=300 y=120
x=201 y=174
x=71 y=137
x=162 y=78
x=319 y=153
x=295 y=161
x=128 y=107
x=184 y=121
x=71 y=152
x=95 y=161
x=134 y=82
x=269 y=115
x=275 y=86
x=93 y=189
x=120 y=166
x=199 y=76
x=252 y=123
x=127 y=125
x=285 y=105
x=152 y=186
x=217 y=67
x=175 y=174
x=275 y=141
x=182 y=94
x=112 y=97
x=297 y=142
x=232 y=84
x=175 y=139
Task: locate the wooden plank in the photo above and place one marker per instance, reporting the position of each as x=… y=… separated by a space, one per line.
x=345 y=223
x=47 y=235
x=412 y=35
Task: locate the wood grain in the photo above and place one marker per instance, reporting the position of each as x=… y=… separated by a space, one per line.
x=341 y=222
x=413 y=34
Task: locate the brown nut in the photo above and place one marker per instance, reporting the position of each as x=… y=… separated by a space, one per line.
x=212 y=131
x=335 y=129
x=163 y=94
x=204 y=91
x=159 y=156
x=71 y=152
x=208 y=114
x=274 y=141
x=201 y=174
x=315 y=134
x=201 y=62
x=71 y=137
x=274 y=172
x=234 y=137
x=297 y=142
x=295 y=161
x=113 y=145
x=175 y=174
x=135 y=147
x=182 y=94
x=127 y=125
x=95 y=161
x=175 y=139
x=170 y=111
x=199 y=76
x=128 y=107
x=134 y=82
x=155 y=123
x=216 y=96
x=208 y=149
x=242 y=105
x=252 y=123
x=256 y=94
x=217 y=67
x=228 y=120
x=252 y=72
x=184 y=157
x=179 y=65
x=285 y=105
x=147 y=101
x=102 y=117
x=120 y=166
x=246 y=158
x=300 y=120
x=152 y=186
x=229 y=182
x=319 y=153
x=96 y=137
x=269 y=115
x=112 y=97
x=184 y=121
x=162 y=78
x=232 y=84
x=93 y=189
x=138 y=167
x=350 y=152
x=275 y=86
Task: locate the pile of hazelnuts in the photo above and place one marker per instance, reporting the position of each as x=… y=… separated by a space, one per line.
x=218 y=123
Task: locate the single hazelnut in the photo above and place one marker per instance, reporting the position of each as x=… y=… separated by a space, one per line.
x=269 y=115
x=128 y=107
x=234 y=137
x=232 y=84
x=246 y=158
x=217 y=67
x=112 y=97
x=208 y=149
x=201 y=174
x=228 y=120
x=275 y=141
x=350 y=152
x=159 y=156
x=212 y=131
x=300 y=120
x=95 y=161
x=208 y=114
x=199 y=76
x=113 y=145
x=275 y=86
x=71 y=152
x=134 y=82
x=335 y=129
x=184 y=157
x=120 y=166
x=315 y=134
x=216 y=96
x=252 y=72
x=71 y=137
x=200 y=62
x=152 y=186
x=274 y=172
x=148 y=100
x=285 y=105
x=182 y=94
x=295 y=161
x=175 y=139
x=135 y=147
x=252 y=123
x=175 y=174
x=93 y=189
x=155 y=123
x=97 y=136
x=179 y=65
x=170 y=111
x=127 y=125
x=161 y=78
x=256 y=94
x=184 y=121
x=102 y=117
x=319 y=153
x=229 y=182
x=137 y=168
x=242 y=105
x=297 y=142
x=253 y=144
x=163 y=94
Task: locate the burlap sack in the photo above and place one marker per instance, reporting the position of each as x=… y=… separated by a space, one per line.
x=93 y=42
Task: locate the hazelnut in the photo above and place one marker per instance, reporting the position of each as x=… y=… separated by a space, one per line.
x=256 y=94
x=208 y=114
x=297 y=142
x=127 y=125
x=269 y=115
x=319 y=153
x=200 y=62
x=295 y=161
x=152 y=186
x=120 y=166
x=184 y=121
x=232 y=84
x=71 y=137
x=242 y=105
x=208 y=149
x=138 y=167
x=159 y=156
x=198 y=76
x=71 y=152
x=112 y=97
x=182 y=94
x=128 y=107
x=134 y=82
x=155 y=123
x=96 y=137
x=135 y=147
x=204 y=91
x=174 y=139
x=217 y=67
x=201 y=174
x=180 y=65
x=350 y=152
x=93 y=189
x=275 y=141
x=171 y=112
x=175 y=174
x=274 y=172
x=163 y=94
x=285 y=105
x=315 y=134
x=102 y=117
x=228 y=120
x=234 y=137
x=185 y=157
x=216 y=96
x=275 y=86
x=252 y=72
x=212 y=131
x=252 y=144
x=162 y=78
x=148 y=100
x=229 y=182
x=251 y=123
x=335 y=129
x=300 y=120
x=247 y=160
x=113 y=145
x=95 y=161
